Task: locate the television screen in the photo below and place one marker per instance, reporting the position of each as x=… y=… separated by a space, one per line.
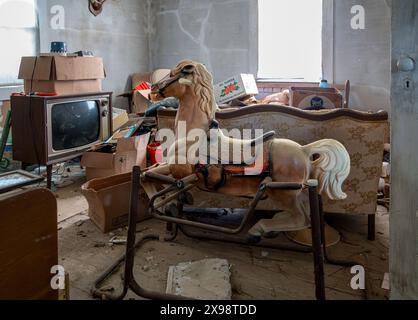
x=75 y=124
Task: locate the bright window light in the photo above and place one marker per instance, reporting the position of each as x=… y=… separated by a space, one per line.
x=290 y=40
x=18 y=33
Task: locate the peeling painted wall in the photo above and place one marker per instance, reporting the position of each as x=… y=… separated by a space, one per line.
x=363 y=56
x=118 y=35
x=139 y=35
x=222 y=34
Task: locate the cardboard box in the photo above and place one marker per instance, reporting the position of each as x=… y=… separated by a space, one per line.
x=140 y=102
x=109 y=200
x=235 y=87
x=315 y=97
x=120 y=117
x=62 y=75
x=129 y=153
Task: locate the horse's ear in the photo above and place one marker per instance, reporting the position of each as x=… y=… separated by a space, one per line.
x=188 y=69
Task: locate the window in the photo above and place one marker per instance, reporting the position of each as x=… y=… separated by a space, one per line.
x=18 y=36
x=290 y=40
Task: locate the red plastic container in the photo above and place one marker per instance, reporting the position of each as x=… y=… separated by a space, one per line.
x=155 y=152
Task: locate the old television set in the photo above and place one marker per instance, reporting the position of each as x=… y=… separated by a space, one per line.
x=47 y=130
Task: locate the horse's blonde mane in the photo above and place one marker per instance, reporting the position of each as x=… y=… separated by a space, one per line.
x=202 y=86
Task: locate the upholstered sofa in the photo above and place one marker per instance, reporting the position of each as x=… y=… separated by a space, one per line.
x=363 y=134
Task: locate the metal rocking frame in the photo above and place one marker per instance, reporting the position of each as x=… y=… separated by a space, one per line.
x=180 y=187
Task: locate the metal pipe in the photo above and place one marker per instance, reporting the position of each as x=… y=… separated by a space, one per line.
x=333 y=261
x=284 y=186
x=160 y=177
x=129 y=279
x=204 y=226
x=316 y=240
x=171 y=197
x=129 y=256
x=224 y=238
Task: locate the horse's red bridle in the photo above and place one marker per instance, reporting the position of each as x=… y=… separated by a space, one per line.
x=163 y=84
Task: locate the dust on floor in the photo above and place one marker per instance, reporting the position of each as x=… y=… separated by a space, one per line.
x=257 y=273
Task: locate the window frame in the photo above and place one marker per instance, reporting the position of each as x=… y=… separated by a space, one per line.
x=328 y=13
x=6 y=90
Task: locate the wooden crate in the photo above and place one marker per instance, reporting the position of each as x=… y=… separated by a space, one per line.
x=311 y=97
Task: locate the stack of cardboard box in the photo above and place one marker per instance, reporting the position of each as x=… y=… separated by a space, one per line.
x=62 y=75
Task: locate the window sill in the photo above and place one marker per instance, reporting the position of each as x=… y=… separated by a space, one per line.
x=284 y=80
x=6 y=91
x=283 y=84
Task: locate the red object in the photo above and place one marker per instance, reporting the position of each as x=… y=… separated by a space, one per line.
x=142 y=86
x=155 y=152
x=39 y=94
x=46 y=94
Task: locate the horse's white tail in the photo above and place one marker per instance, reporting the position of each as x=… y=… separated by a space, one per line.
x=331 y=168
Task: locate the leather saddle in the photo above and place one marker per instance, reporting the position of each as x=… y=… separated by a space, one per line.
x=221 y=148
x=252 y=164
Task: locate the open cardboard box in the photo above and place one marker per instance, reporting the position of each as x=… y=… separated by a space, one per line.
x=129 y=152
x=119 y=118
x=62 y=75
x=108 y=200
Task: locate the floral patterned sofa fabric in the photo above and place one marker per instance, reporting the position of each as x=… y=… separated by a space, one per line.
x=363 y=135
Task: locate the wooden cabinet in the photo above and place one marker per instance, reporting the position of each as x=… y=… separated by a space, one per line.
x=28 y=244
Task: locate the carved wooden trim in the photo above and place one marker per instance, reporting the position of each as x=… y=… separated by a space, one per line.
x=309 y=115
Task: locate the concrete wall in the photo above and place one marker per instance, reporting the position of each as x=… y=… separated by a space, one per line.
x=118 y=35
x=222 y=34
x=138 y=35
x=363 y=56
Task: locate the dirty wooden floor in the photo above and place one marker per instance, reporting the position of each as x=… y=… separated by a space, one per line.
x=257 y=273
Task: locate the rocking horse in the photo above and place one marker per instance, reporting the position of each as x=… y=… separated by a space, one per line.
x=282 y=160
x=290 y=174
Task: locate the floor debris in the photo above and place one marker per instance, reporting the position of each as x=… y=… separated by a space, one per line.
x=264 y=254
x=117 y=240
x=207 y=279
x=100 y=245
x=80 y=223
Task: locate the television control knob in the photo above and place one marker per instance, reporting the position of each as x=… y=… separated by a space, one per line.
x=105 y=113
x=104 y=103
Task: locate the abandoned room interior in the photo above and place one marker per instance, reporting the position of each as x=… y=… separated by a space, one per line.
x=209 y=149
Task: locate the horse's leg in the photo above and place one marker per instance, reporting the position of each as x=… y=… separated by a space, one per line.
x=290 y=164
x=293 y=217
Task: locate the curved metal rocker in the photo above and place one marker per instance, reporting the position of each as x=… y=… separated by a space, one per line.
x=178 y=188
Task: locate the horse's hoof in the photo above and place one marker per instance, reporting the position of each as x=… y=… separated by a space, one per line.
x=252 y=239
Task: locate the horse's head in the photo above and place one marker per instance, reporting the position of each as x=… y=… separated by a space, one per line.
x=189 y=78
x=176 y=83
